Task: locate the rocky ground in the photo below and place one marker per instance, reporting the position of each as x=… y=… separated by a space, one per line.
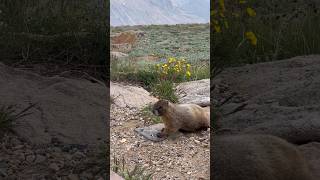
x=21 y=160
x=182 y=157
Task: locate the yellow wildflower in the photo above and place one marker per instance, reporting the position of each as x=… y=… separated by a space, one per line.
x=188 y=65
x=251 y=37
x=171 y=60
x=226 y=24
x=242 y=2
x=179 y=63
x=221 y=5
x=251 y=12
x=188 y=73
x=217 y=28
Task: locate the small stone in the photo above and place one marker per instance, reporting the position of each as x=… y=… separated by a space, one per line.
x=196 y=141
x=3 y=172
x=18 y=147
x=78 y=155
x=22 y=156
x=86 y=175
x=40 y=159
x=73 y=177
x=123 y=140
x=54 y=167
x=30 y=158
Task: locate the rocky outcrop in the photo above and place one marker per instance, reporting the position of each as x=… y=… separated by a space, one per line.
x=279 y=98
x=71 y=111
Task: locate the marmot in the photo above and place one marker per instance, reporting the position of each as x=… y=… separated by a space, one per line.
x=186 y=117
x=257 y=157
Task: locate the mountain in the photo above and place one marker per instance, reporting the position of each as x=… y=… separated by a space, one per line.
x=146 y=12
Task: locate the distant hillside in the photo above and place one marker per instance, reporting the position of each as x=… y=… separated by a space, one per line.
x=146 y=12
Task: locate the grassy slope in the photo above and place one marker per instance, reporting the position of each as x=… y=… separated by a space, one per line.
x=188 y=41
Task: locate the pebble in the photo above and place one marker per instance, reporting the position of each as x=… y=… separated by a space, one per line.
x=54 y=167
x=40 y=159
x=78 y=155
x=73 y=177
x=30 y=158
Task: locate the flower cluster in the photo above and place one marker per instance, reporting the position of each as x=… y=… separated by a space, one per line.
x=173 y=69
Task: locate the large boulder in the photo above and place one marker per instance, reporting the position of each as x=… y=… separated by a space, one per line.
x=274 y=97
x=66 y=110
x=280 y=98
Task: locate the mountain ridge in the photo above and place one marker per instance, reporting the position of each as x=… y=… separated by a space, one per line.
x=147 y=12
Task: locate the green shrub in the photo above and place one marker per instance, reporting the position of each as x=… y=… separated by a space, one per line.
x=137 y=173
x=164 y=90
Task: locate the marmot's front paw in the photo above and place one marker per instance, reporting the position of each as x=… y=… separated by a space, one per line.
x=160 y=135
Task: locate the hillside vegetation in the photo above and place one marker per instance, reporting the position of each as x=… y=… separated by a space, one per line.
x=157 y=56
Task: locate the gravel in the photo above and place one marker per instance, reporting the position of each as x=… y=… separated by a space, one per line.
x=184 y=157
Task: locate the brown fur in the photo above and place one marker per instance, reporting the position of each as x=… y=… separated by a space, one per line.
x=257 y=157
x=187 y=117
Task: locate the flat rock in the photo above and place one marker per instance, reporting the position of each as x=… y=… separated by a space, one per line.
x=151 y=132
x=194 y=92
x=68 y=110
x=130 y=96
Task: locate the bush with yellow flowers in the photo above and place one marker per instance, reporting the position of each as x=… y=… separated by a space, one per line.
x=220 y=15
x=174 y=70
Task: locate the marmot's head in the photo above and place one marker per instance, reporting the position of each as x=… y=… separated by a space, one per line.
x=160 y=107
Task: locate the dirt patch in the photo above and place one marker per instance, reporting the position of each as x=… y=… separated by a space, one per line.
x=124 y=38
